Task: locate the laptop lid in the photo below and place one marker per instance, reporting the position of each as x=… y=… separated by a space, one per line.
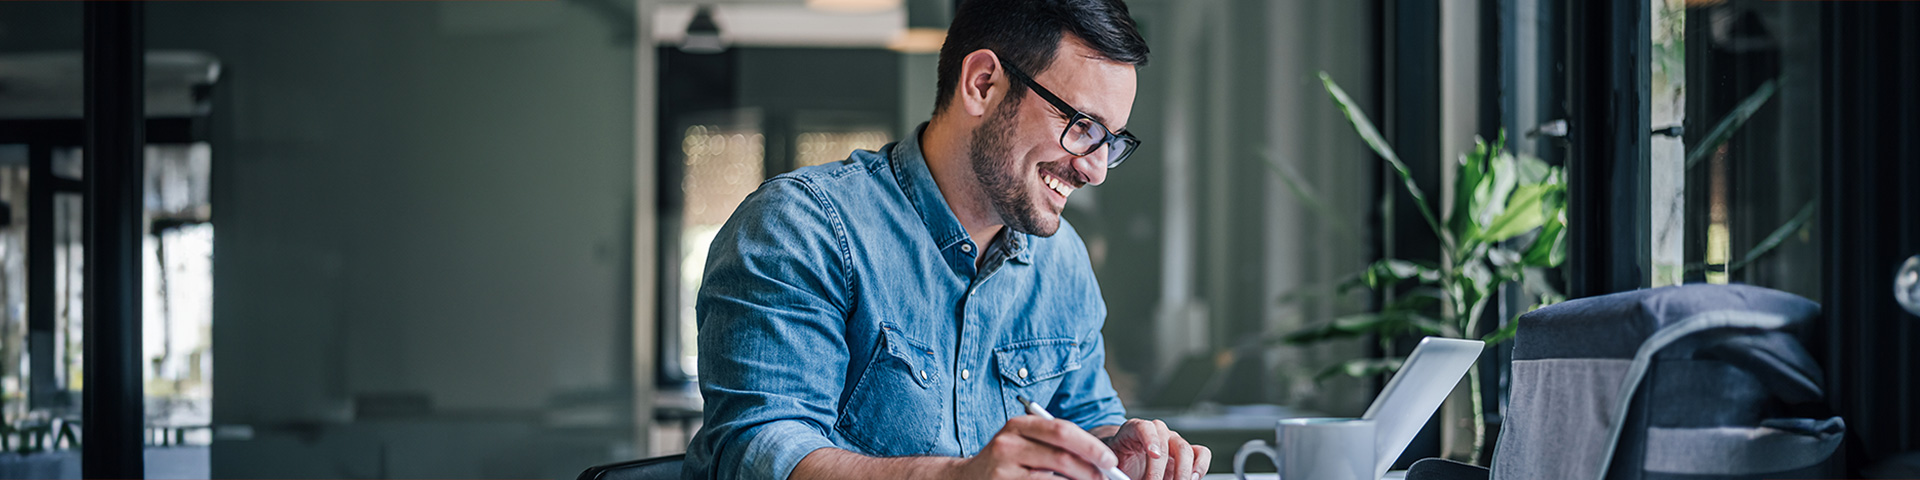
x=1414 y=393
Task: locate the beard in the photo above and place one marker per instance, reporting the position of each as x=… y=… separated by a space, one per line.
x=1001 y=178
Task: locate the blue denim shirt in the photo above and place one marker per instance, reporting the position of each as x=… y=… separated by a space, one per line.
x=841 y=308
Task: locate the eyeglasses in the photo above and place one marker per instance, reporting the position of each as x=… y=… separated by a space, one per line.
x=1083 y=134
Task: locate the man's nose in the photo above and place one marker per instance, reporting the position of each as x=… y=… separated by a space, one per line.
x=1092 y=166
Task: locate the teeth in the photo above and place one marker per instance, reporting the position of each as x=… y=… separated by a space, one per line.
x=1058 y=185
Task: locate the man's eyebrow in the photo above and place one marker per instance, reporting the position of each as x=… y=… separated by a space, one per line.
x=1102 y=119
x=1104 y=123
x=1096 y=117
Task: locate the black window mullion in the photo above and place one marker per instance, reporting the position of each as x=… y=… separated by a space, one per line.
x=1609 y=245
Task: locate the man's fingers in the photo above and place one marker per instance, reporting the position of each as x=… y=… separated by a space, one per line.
x=1068 y=464
x=1202 y=461
x=1067 y=437
x=1041 y=458
x=1181 y=468
x=1155 y=434
x=1157 y=437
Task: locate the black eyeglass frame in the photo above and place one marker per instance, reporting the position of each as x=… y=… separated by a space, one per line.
x=1113 y=139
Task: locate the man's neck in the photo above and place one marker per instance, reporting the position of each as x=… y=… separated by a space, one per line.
x=944 y=145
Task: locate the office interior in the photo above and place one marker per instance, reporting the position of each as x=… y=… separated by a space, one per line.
x=460 y=239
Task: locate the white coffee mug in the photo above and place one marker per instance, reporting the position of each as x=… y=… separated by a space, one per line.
x=1316 y=449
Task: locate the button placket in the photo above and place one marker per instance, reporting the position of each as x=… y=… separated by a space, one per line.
x=967 y=395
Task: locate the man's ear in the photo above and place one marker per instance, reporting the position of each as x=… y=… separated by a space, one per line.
x=981 y=82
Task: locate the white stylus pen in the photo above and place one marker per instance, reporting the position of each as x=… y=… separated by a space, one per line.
x=1113 y=473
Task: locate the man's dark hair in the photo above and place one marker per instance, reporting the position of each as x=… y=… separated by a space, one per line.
x=1027 y=33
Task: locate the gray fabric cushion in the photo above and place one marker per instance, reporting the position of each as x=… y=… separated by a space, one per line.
x=1695 y=382
x=1613 y=326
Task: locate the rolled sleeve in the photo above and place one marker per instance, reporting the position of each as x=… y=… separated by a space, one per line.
x=774 y=291
x=772 y=450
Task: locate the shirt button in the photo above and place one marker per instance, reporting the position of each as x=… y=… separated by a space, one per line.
x=1023 y=373
x=964 y=374
x=966 y=247
x=923 y=374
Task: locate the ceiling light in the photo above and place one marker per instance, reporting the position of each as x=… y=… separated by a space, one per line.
x=918 y=40
x=853 y=6
x=703 y=35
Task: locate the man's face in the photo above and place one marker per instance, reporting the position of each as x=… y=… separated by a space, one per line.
x=1016 y=151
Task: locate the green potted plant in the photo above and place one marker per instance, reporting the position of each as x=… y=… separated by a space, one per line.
x=1505 y=224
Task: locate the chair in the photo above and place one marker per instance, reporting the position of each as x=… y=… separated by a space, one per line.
x=656 y=468
x=1696 y=381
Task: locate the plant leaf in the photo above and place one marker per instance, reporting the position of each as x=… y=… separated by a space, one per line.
x=1524 y=213
x=1415 y=300
x=1361 y=368
x=1731 y=123
x=1533 y=170
x=1479 y=281
x=1492 y=198
x=1502 y=257
x=1417 y=324
x=1778 y=236
x=1536 y=283
x=1326 y=289
x=1342 y=327
x=1389 y=272
x=1359 y=325
x=1549 y=248
x=1307 y=197
x=1471 y=169
x=1503 y=334
x=1371 y=135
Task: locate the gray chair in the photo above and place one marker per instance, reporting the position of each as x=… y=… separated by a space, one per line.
x=1689 y=382
x=656 y=468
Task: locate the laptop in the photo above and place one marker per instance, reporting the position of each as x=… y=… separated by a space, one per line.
x=1414 y=393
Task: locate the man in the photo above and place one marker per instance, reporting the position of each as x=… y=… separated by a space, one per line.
x=877 y=317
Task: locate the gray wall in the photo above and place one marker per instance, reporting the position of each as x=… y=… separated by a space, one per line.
x=432 y=201
x=1201 y=237
x=425 y=236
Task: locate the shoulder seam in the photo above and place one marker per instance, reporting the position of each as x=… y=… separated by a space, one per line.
x=839 y=236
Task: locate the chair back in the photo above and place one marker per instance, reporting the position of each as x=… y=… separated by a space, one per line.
x=656 y=468
x=1691 y=382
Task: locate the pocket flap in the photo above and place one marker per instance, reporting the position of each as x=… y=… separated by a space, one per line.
x=916 y=355
x=1027 y=362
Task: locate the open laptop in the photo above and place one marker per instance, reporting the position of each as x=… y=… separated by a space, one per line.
x=1414 y=393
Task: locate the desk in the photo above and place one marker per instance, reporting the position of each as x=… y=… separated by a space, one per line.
x=1393 y=475
x=1224 y=428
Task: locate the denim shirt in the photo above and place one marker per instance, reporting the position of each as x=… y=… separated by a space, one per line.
x=841 y=308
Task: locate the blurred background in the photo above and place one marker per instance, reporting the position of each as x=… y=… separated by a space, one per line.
x=460 y=239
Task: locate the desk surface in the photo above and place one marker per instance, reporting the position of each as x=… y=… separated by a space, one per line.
x=1393 y=475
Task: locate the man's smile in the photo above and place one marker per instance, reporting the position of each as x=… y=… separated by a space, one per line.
x=1059 y=185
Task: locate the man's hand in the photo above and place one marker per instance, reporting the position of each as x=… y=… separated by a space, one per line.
x=1150 y=451
x=1030 y=447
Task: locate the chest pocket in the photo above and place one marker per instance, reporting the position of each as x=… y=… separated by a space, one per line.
x=1034 y=369
x=904 y=375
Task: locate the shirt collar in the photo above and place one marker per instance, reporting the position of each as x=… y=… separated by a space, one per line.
x=910 y=169
x=1018 y=245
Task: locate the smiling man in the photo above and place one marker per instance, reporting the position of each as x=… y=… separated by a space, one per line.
x=877 y=317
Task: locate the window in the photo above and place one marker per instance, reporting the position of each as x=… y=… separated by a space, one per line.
x=1749 y=95
x=723 y=165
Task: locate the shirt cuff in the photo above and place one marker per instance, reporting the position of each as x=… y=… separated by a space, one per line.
x=775 y=448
